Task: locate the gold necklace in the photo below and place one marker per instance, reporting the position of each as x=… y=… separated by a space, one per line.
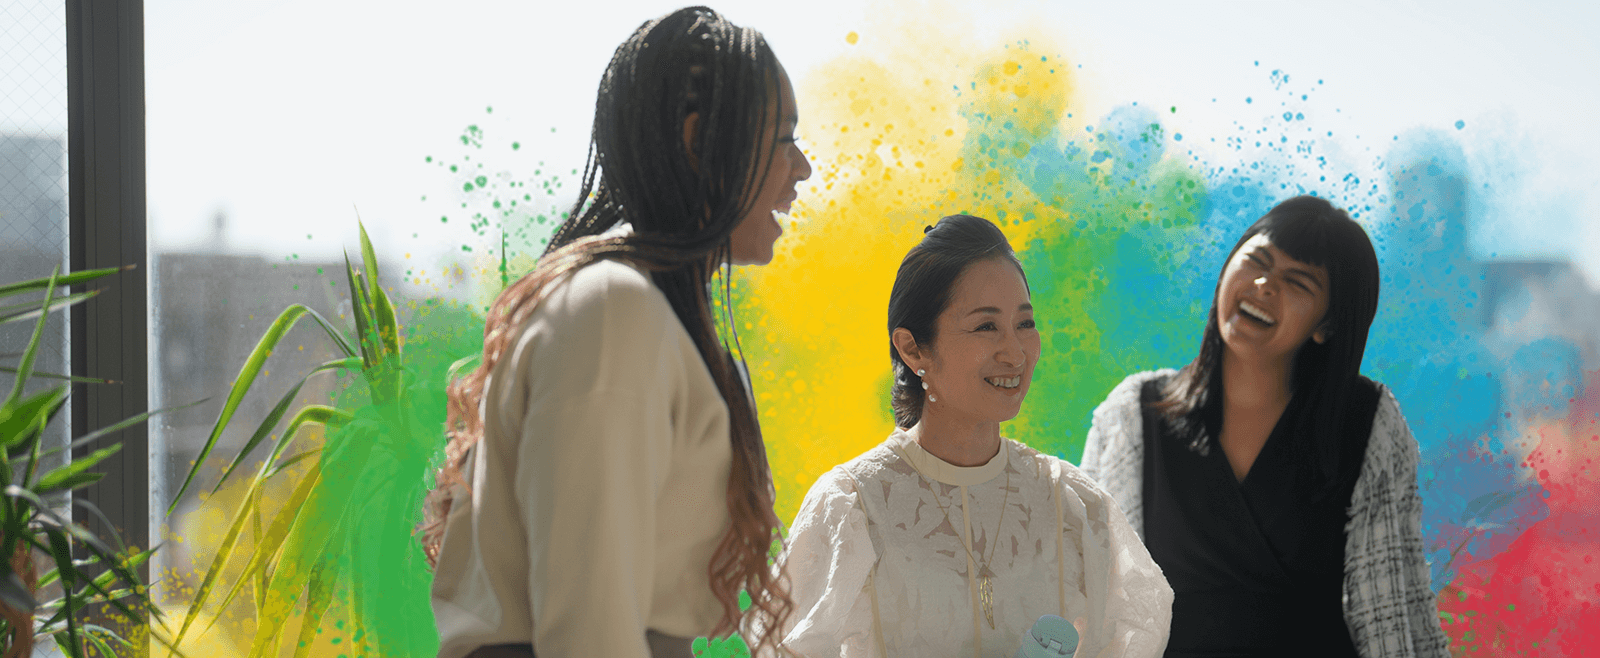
x=985 y=575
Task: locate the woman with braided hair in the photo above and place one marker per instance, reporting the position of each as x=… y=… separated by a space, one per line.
x=606 y=490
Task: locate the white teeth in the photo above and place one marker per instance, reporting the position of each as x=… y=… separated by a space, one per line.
x=1256 y=312
x=1006 y=382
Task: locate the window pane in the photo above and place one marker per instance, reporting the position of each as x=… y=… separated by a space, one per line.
x=33 y=180
x=261 y=158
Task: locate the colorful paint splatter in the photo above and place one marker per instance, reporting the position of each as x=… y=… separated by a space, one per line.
x=1121 y=225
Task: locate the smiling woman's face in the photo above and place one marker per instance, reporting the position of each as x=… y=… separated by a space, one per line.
x=752 y=239
x=1268 y=304
x=985 y=348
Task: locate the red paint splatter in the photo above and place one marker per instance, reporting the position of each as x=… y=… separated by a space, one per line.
x=1541 y=596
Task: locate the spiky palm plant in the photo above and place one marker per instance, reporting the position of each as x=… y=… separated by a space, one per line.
x=30 y=521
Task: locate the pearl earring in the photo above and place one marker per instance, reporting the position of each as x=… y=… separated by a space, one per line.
x=921 y=372
x=931 y=398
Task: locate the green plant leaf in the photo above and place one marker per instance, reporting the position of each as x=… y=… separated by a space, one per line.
x=247 y=376
x=291 y=462
x=369 y=259
x=69 y=279
x=301 y=552
x=21 y=421
x=388 y=324
x=72 y=378
x=58 y=524
x=319 y=593
x=99 y=644
x=57 y=478
x=218 y=562
x=260 y=574
x=264 y=430
x=78 y=481
x=133 y=561
x=30 y=310
x=32 y=350
x=61 y=550
x=361 y=307
x=119 y=426
x=286 y=519
x=315 y=414
x=338 y=338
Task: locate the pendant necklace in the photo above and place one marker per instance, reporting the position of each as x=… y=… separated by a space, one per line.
x=985 y=575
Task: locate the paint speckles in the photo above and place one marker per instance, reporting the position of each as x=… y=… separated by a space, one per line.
x=1541 y=596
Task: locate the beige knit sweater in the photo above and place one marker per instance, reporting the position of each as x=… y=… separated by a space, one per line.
x=598 y=490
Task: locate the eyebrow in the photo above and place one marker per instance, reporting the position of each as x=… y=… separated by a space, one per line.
x=1266 y=253
x=1263 y=252
x=1307 y=274
x=995 y=311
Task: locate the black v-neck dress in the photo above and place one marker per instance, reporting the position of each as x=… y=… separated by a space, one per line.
x=1256 y=567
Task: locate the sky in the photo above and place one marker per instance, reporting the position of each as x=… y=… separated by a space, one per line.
x=293 y=117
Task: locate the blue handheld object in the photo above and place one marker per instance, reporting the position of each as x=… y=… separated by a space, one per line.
x=1050 y=637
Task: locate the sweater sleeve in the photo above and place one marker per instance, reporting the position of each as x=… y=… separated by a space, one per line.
x=1113 y=450
x=1389 y=598
x=1130 y=602
x=596 y=438
x=829 y=562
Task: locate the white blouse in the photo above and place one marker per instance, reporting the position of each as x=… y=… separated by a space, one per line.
x=878 y=568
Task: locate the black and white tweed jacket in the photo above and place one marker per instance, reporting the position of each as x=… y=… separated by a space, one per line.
x=1389 y=603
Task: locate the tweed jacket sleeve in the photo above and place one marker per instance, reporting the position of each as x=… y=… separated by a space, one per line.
x=1113 y=451
x=1389 y=601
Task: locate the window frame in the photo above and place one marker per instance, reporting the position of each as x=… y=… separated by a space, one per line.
x=106 y=228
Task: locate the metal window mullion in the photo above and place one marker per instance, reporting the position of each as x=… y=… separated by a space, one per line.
x=106 y=228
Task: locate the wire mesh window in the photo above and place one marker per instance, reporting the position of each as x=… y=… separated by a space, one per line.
x=33 y=180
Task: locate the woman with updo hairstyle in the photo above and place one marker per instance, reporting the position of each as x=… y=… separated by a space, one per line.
x=606 y=489
x=1275 y=485
x=948 y=540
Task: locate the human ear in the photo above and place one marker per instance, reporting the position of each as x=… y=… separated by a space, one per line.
x=1322 y=334
x=910 y=352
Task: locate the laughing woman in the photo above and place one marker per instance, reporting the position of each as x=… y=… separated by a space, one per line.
x=947 y=539
x=607 y=490
x=1276 y=486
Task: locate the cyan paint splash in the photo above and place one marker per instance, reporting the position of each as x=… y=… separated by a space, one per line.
x=1121 y=225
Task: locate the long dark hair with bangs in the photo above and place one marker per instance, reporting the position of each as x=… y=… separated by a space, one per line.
x=1315 y=232
x=683 y=203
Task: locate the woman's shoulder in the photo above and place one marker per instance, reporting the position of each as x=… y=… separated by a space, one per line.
x=1122 y=403
x=845 y=480
x=1125 y=395
x=606 y=285
x=604 y=303
x=1390 y=445
x=876 y=463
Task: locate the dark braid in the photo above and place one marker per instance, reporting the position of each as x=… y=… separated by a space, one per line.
x=683 y=204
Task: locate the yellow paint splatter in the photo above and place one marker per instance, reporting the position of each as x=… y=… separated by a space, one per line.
x=886 y=125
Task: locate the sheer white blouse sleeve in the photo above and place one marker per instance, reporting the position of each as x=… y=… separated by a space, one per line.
x=829 y=563
x=1129 y=600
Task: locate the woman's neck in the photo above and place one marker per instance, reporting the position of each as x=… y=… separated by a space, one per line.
x=1255 y=385
x=957 y=442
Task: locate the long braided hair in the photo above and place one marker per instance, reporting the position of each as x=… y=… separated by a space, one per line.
x=683 y=204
